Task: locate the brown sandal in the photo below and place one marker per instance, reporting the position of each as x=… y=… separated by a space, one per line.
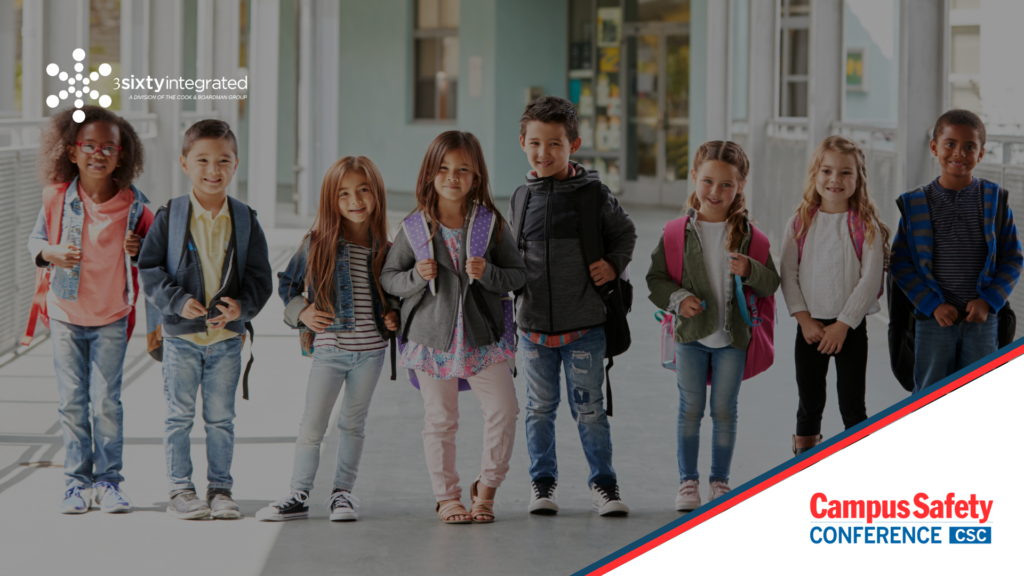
x=450 y=510
x=480 y=507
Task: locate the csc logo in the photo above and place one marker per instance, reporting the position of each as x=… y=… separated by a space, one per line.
x=963 y=535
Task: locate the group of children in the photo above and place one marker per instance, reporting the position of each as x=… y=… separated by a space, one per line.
x=442 y=290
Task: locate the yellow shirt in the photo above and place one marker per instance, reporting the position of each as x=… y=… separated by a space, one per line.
x=212 y=237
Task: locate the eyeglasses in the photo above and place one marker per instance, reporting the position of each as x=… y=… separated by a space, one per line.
x=92 y=148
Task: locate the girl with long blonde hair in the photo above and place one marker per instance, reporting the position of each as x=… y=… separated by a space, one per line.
x=332 y=294
x=833 y=260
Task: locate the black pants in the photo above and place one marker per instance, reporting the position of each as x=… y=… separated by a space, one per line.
x=851 y=369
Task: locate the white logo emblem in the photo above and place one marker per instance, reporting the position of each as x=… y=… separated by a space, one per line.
x=78 y=85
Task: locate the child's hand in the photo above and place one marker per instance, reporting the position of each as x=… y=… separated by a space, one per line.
x=690 y=307
x=739 y=264
x=65 y=256
x=945 y=315
x=601 y=272
x=228 y=313
x=977 y=311
x=192 y=309
x=427 y=269
x=475 y=267
x=391 y=321
x=132 y=244
x=832 y=341
x=314 y=319
x=813 y=330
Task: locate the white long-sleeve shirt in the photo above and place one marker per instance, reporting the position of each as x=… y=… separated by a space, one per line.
x=830 y=281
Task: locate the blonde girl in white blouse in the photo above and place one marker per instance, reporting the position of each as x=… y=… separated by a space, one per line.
x=832 y=266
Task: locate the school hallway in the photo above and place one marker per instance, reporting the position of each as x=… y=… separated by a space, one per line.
x=398 y=531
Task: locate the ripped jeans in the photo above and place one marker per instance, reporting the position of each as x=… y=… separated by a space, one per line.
x=583 y=361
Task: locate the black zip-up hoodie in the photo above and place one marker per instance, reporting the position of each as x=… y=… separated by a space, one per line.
x=559 y=295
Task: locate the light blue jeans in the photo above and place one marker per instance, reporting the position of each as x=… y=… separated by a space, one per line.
x=692 y=361
x=215 y=368
x=359 y=371
x=583 y=362
x=89 y=361
x=940 y=352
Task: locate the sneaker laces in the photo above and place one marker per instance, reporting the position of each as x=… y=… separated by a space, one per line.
x=609 y=493
x=111 y=487
x=719 y=488
x=543 y=489
x=296 y=496
x=342 y=499
x=74 y=491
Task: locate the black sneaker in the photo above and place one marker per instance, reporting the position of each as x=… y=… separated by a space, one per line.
x=293 y=507
x=607 y=502
x=542 y=501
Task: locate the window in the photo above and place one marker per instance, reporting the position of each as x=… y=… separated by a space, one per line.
x=794 y=61
x=436 y=59
x=965 y=68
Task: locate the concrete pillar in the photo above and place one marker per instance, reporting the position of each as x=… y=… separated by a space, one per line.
x=65 y=28
x=319 y=54
x=8 y=43
x=135 y=16
x=225 y=64
x=716 y=98
x=825 y=88
x=262 y=177
x=32 y=66
x=165 y=39
x=761 y=96
x=922 y=86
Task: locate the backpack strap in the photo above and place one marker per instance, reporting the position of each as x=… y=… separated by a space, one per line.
x=591 y=242
x=797 y=223
x=242 y=230
x=675 y=247
x=519 y=199
x=856 y=226
x=179 y=213
x=415 y=226
x=53 y=208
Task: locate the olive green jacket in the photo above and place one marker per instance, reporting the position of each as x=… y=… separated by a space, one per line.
x=763 y=279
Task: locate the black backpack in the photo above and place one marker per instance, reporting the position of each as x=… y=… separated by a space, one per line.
x=903 y=321
x=617 y=294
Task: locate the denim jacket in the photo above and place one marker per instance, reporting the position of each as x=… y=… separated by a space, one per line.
x=64 y=283
x=292 y=285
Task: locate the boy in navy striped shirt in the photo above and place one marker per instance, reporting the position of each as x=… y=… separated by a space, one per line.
x=957 y=255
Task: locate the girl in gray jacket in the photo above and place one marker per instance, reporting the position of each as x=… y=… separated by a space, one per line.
x=452 y=318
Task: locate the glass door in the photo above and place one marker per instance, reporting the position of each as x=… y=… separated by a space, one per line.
x=657 y=74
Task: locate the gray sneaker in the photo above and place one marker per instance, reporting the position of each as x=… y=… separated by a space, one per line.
x=185 y=504
x=223 y=507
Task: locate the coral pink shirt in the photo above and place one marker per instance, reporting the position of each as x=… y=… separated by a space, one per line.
x=102 y=292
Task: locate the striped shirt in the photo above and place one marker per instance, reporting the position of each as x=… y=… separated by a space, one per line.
x=365 y=337
x=958 y=228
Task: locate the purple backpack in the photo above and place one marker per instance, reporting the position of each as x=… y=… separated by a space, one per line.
x=481 y=226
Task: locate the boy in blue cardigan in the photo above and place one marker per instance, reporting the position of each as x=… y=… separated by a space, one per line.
x=206 y=274
x=949 y=258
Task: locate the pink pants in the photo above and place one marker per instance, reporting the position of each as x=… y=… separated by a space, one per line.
x=497 y=395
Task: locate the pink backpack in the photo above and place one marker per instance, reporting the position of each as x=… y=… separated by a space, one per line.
x=856 y=226
x=761 y=352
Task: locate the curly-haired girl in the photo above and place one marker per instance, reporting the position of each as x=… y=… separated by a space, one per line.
x=85 y=241
x=832 y=263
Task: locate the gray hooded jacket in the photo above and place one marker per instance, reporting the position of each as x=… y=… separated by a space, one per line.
x=559 y=295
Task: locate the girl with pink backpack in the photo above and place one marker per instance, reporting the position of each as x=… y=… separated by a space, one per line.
x=833 y=260
x=713 y=273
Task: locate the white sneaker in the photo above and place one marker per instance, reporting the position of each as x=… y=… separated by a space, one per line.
x=76 y=500
x=111 y=498
x=291 y=507
x=717 y=489
x=542 y=500
x=342 y=506
x=607 y=502
x=688 y=497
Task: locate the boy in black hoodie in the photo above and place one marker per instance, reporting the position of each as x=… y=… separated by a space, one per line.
x=560 y=313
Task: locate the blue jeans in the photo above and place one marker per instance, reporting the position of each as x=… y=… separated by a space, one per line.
x=216 y=367
x=939 y=352
x=692 y=361
x=583 y=361
x=359 y=372
x=89 y=361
